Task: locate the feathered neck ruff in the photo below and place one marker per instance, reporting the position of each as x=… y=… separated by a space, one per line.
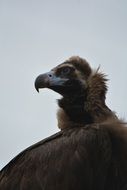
x=87 y=107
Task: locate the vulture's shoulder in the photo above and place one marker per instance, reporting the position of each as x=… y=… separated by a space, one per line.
x=66 y=148
x=31 y=148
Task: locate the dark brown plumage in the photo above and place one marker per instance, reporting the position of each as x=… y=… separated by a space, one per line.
x=90 y=151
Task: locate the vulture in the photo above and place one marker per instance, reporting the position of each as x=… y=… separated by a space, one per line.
x=90 y=150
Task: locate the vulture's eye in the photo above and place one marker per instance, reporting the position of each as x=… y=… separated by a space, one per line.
x=66 y=70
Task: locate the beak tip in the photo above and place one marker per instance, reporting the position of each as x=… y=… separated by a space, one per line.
x=41 y=82
x=37 y=89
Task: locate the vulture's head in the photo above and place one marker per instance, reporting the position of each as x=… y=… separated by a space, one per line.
x=71 y=78
x=82 y=88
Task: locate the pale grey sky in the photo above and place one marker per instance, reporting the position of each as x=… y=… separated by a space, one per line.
x=36 y=35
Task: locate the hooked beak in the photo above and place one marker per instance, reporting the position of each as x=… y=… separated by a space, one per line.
x=49 y=80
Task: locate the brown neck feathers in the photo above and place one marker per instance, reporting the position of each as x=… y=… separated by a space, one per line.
x=86 y=108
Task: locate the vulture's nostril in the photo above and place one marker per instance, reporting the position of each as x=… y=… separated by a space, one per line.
x=50 y=75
